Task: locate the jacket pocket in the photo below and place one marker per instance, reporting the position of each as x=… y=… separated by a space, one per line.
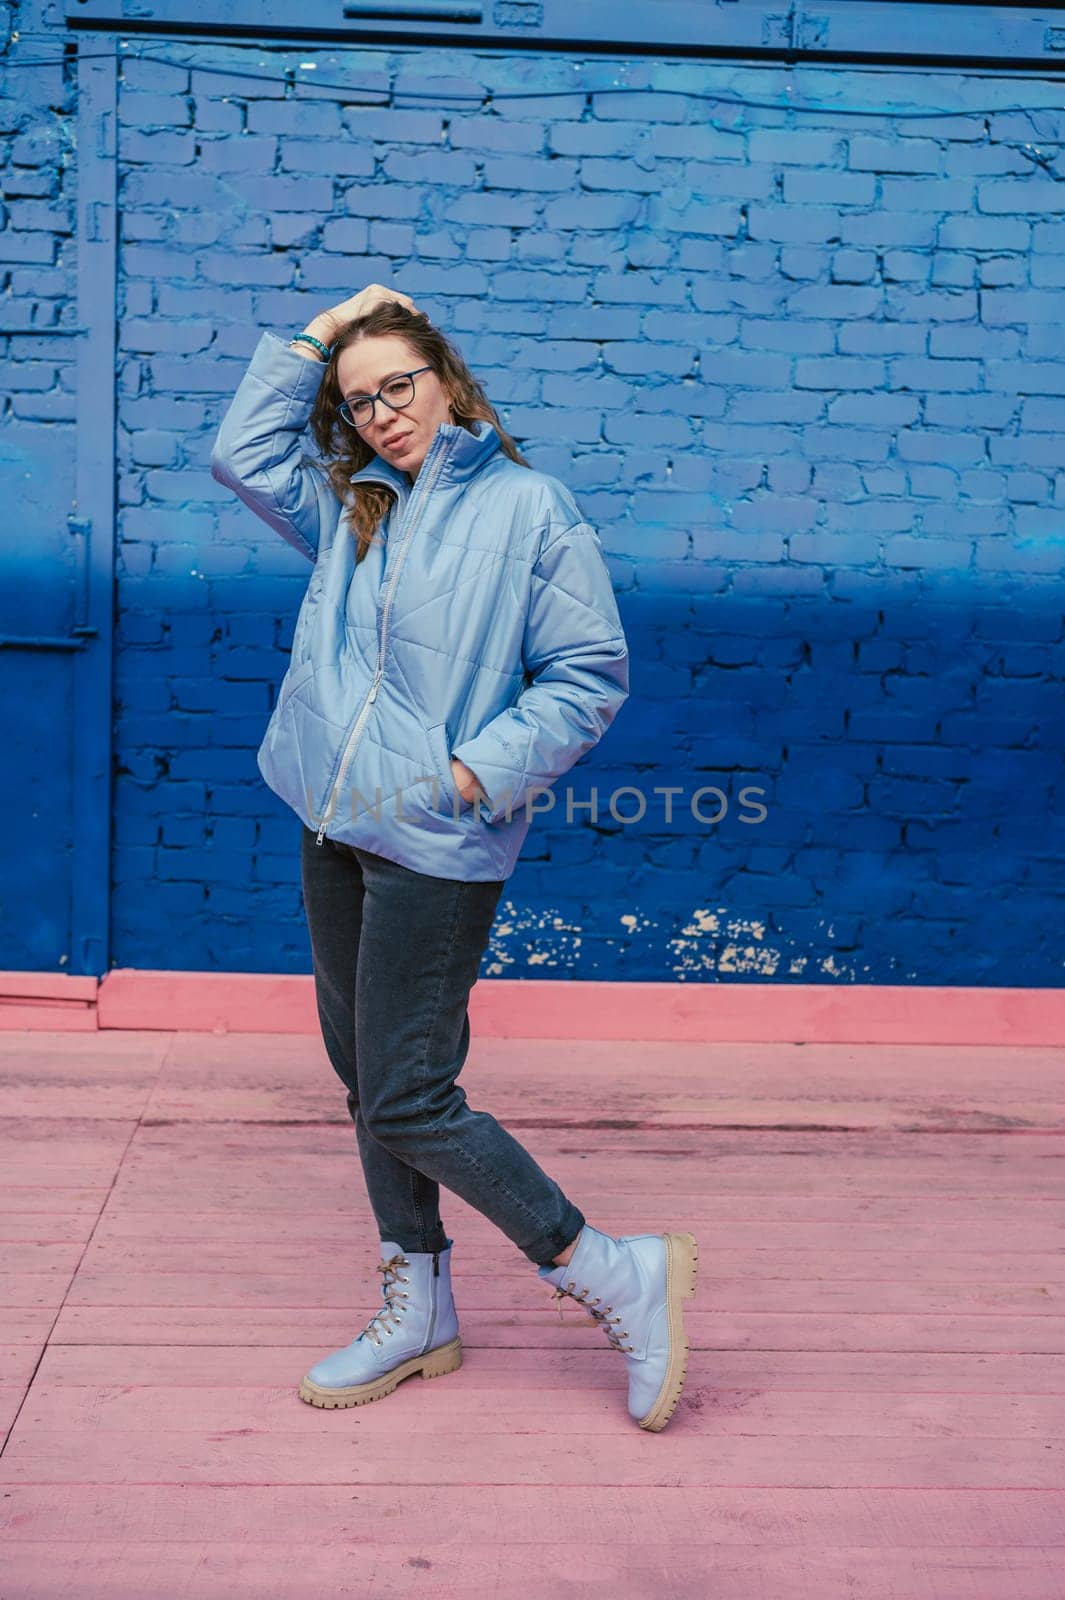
x=439 y=749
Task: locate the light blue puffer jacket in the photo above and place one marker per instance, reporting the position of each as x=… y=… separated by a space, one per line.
x=481 y=623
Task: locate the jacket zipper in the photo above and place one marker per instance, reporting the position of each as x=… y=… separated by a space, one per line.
x=349 y=750
x=364 y=710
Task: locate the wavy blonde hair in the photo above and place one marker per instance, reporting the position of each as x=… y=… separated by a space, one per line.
x=344 y=450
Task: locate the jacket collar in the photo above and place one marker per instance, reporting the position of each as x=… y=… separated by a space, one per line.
x=464 y=454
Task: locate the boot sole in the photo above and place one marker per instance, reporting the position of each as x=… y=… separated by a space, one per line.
x=433 y=1364
x=682 y=1266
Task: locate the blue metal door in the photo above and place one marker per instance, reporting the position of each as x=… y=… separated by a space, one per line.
x=56 y=583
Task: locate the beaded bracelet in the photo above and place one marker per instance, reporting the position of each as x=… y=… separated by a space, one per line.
x=317 y=343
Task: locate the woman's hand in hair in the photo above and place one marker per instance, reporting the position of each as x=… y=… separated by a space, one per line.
x=359 y=304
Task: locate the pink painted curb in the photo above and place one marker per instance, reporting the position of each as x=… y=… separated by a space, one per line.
x=252 y=1002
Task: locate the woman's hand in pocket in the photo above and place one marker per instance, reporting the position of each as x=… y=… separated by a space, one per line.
x=466 y=781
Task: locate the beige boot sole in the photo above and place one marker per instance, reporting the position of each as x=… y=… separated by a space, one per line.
x=682 y=1266
x=445 y=1358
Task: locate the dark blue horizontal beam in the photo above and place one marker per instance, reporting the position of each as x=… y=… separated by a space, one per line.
x=42 y=641
x=836 y=30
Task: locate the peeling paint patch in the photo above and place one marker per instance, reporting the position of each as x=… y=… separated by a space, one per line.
x=713 y=941
x=830 y=965
x=749 y=958
x=523 y=937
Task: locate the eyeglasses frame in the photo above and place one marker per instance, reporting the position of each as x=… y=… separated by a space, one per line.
x=373 y=398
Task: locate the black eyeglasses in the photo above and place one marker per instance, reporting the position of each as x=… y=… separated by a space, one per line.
x=396 y=393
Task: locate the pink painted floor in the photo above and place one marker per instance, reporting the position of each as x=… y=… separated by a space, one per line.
x=875 y=1403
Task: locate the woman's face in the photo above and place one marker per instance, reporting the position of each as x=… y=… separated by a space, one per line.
x=400 y=437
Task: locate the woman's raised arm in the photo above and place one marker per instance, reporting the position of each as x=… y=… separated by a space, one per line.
x=258 y=451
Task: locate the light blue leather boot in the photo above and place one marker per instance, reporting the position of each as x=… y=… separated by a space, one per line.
x=416 y=1330
x=637 y=1284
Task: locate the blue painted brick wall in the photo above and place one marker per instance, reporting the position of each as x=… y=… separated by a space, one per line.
x=803 y=371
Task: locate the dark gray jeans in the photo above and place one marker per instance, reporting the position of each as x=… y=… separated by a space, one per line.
x=395 y=955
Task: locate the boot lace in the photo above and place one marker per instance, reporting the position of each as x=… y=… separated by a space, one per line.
x=596 y=1317
x=380 y=1321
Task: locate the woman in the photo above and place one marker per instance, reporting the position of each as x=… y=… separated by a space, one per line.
x=457 y=650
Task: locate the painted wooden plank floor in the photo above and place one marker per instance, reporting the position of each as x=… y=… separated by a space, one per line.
x=876 y=1396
